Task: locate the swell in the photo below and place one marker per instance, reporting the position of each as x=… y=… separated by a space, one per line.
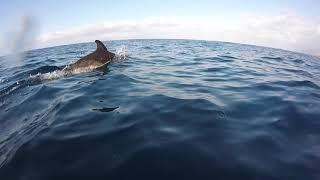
x=10 y=143
x=185 y=109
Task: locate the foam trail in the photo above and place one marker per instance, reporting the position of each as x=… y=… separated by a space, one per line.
x=40 y=78
x=50 y=75
x=61 y=73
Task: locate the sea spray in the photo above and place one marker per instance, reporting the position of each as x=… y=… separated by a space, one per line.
x=121 y=53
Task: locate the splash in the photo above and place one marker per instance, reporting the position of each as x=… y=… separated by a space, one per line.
x=50 y=75
x=121 y=53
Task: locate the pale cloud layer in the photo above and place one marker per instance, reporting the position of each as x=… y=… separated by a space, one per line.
x=286 y=31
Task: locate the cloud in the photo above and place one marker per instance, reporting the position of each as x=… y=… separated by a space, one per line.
x=287 y=31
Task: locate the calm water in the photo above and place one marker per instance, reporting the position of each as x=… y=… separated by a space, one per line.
x=173 y=109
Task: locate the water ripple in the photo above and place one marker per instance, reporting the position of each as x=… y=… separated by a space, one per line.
x=170 y=109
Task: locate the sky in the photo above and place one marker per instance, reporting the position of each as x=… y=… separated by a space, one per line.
x=286 y=24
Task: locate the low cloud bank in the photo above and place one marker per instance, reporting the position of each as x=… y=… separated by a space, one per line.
x=286 y=31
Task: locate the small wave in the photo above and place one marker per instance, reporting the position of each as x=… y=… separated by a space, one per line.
x=298 y=61
x=219 y=59
x=105 y=109
x=215 y=69
x=272 y=58
x=304 y=83
x=147 y=48
x=230 y=57
x=298 y=71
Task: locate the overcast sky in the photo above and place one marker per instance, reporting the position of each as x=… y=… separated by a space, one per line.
x=287 y=24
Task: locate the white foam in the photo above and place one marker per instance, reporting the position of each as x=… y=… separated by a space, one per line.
x=50 y=75
x=61 y=73
x=121 y=53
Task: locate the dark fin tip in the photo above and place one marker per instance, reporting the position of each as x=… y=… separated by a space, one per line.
x=100 y=45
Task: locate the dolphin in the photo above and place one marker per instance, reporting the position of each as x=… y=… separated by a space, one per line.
x=99 y=58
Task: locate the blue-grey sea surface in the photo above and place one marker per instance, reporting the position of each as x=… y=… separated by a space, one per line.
x=164 y=109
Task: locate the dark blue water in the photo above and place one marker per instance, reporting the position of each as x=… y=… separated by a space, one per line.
x=173 y=109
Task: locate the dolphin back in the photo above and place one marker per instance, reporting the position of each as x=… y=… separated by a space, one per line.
x=100 y=57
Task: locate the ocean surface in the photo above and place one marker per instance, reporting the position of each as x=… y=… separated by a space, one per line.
x=164 y=109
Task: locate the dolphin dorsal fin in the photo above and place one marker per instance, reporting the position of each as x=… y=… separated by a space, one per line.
x=100 y=45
